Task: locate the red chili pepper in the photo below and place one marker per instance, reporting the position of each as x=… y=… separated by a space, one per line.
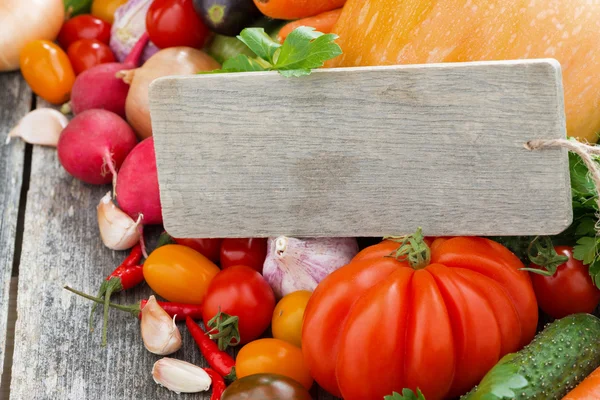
x=218 y=384
x=126 y=276
x=219 y=360
x=180 y=311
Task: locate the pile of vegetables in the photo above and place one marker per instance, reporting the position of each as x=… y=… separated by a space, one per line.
x=411 y=317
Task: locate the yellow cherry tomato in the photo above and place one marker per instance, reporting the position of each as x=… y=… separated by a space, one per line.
x=273 y=356
x=105 y=9
x=47 y=70
x=179 y=273
x=287 y=317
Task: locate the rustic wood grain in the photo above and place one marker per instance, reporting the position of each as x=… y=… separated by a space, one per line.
x=363 y=151
x=15 y=102
x=56 y=357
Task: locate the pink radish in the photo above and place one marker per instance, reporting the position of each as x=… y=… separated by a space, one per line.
x=98 y=87
x=137 y=184
x=94 y=144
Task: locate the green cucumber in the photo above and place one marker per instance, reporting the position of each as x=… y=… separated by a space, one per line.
x=559 y=357
x=76 y=7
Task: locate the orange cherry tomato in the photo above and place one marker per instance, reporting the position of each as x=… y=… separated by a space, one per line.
x=287 y=317
x=87 y=53
x=105 y=9
x=273 y=356
x=179 y=274
x=47 y=70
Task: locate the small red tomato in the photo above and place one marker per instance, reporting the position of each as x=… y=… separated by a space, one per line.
x=249 y=252
x=83 y=27
x=569 y=291
x=171 y=23
x=209 y=248
x=241 y=292
x=87 y=53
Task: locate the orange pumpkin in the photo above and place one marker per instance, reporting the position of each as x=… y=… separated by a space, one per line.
x=381 y=32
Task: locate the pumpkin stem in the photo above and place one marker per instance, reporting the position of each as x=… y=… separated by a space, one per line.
x=412 y=249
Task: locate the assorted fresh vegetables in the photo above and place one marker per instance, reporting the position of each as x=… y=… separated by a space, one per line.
x=357 y=323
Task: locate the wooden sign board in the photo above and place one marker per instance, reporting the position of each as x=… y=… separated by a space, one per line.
x=364 y=151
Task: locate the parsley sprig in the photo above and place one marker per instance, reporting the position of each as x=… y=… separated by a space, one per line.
x=303 y=50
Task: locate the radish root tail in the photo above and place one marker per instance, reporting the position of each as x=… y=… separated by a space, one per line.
x=142 y=240
x=110 y=164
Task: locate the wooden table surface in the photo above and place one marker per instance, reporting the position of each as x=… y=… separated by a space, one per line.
x=48 y=239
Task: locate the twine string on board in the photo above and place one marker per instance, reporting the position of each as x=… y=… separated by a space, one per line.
x=586 y=152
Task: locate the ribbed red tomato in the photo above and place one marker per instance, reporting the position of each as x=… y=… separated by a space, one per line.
x=379 y=325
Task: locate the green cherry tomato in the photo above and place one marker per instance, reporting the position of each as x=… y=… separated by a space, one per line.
x=266 y=387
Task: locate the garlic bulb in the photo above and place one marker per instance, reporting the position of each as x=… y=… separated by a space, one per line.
x=159 y=332
x=42 y=126
x=180 y=376
x=300 y=264
x=117 y=229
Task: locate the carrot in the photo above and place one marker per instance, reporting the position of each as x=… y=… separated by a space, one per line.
x=323 y=22
x=588 y=389
x=295 y=9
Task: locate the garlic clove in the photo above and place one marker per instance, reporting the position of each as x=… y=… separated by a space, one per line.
x=294 y=264
x=42 y=126
x=180 y=376
x=159 y=332
x=117 y=229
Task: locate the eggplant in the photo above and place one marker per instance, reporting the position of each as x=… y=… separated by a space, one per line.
x=227 y=17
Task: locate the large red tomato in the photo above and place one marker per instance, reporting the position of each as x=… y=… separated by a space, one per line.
x=379 y=325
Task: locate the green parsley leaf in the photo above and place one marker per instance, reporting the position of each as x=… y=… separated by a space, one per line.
x=586 y=227
x=407 y=394
x=260 y=43
x=242 y=63
x=304 y=49
x=501 y=382
x=586 y=249
x=580 y=179
x=595 y=272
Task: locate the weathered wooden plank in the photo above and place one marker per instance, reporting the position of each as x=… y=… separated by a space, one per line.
x=56 y=357
x=15 y=102
x=363 y=151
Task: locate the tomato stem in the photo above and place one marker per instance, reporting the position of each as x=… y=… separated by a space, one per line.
x=412 y=249
x=226 y=330
x=541 y=252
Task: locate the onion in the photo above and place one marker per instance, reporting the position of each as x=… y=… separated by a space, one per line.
x=128 y=27
x=300 y=264
x=23 y=21
x=170 y=61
